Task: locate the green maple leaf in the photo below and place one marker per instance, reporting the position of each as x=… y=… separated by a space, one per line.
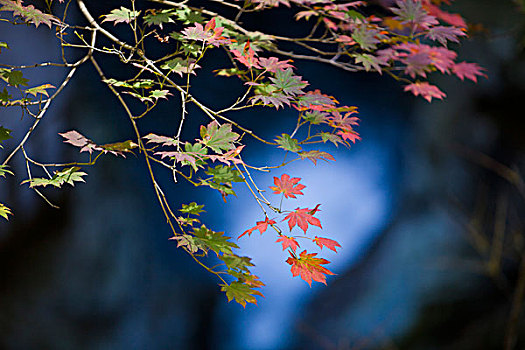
x=215 y=241
x=122 y=15
x=225 y=174
x=288 y=143
x=188 y=16
x=15 y=78
x=156 y=94
x=315 y=117
x=3 y=170
x=4 y=211
x=241 y=292
x=66 y=176
x=335 y=139
x=288 y=83
x=120 y=147
x=158 y=17
x=366 y=37
x=236 y=262
x=28 y=13
x=192 y=208
x=5 y=134
x=4 y=96
x=218 y=138
x=368 y=61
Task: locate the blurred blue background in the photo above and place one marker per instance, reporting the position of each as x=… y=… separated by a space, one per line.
x=415 y=206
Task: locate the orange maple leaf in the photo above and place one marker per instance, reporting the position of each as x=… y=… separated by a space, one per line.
x=262 y=226
x=303 y=217
x=309 y=267
x=326 y=242
x=287 y=186
x=288 y=242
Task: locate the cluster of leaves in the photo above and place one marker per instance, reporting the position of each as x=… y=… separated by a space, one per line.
x=408 y=41
x=304 y=264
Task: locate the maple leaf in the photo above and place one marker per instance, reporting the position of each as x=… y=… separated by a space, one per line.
x=236 y=262
x=76 y=139
x=287 y=186
x=301 y=218
x=181 y=66
x=164 y=140
x=40 y=90
x=288 y=143
x=288 y=242
x=117 y=148
x=3 y=170
x=369 y=61
x=366 y=37
x=14 y=77
x=443 y=34
x=275 y=99
x=158 y=17
x=209 y=33
x=247 y=57
x=426 y=90
x=309 y=267
x=241 y=292
x=228 y=157
x=326 y=242
x=216 y=241
x=315 y=117
x=467 y=70
x=192 y=208
x=68 y=175
x=5 y=134
x=188 y=242
x=412 y=12
x=182 y=157
x=4 y=211
x=333 y=138
x=316 y=101
x=288 y=83
x=122 y=15
x=262 y=226
x=349 y=135
x=156 y=94
x=28 y=13
x=218 y=138
x=273 y=64
x=5 y=97
x=316 y=155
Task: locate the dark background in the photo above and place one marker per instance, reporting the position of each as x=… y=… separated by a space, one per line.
x=431 y=227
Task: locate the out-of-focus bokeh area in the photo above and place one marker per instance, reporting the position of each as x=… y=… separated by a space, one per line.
x=429 y=209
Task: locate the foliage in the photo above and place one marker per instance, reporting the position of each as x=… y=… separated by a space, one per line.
x=406 y=40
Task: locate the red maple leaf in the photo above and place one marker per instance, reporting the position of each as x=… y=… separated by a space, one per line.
x=326 y=242
x=262 y=226
x=303 y=217
x=349 y=135
x=309 y=267
x=247 y=57
x=288 y=242
x=288 y=186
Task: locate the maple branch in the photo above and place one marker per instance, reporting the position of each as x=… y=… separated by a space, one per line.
x=49 y=100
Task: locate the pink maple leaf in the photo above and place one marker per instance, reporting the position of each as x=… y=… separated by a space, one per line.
x=467 y=70
x=426 y=90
